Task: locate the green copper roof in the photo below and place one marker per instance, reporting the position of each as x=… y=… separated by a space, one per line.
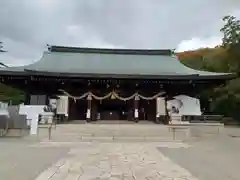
x=108 y=62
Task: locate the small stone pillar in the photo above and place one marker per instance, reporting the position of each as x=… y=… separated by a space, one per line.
x=88 y=114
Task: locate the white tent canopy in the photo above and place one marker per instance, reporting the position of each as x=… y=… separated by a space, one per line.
x=186 y=105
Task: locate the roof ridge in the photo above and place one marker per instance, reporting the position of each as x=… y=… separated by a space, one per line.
x=166 y=52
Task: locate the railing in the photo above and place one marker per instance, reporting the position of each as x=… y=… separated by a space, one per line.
x=202 y=118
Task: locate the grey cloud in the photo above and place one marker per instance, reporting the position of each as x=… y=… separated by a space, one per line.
x=26 y=26
x=152 y=23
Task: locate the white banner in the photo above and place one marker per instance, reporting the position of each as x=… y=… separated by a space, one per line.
x=161 y=109
x=136 y=113
x=88 y=114
x=62 y=105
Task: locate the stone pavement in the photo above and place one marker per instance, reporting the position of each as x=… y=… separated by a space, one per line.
x=115 y=161
x=66 y=156
x=20 y=161
x=210 y=158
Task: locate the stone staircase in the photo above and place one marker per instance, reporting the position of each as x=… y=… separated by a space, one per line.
x=109 y=132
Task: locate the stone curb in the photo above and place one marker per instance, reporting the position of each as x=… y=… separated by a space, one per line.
x=113 y=139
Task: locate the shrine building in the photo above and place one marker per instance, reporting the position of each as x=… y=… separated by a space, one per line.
x=109 y=84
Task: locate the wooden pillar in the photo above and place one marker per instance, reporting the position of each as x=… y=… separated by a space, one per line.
x=88 y=114
x=130 y=110
x=94 y=110
x=136 y=110
x=27 y=98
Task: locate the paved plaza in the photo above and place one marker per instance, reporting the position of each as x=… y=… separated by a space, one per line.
x=191 y=159
x=116 y=161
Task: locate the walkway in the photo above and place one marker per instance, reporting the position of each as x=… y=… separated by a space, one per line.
x=116 y=161
x=69 y=159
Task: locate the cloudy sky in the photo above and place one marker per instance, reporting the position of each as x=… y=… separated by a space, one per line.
x=26 y=26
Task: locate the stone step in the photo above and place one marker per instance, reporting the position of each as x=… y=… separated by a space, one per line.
x=112 y=139
x=125 y=132
x=93 y=132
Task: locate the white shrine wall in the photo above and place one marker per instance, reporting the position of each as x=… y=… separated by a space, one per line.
x=32 y=112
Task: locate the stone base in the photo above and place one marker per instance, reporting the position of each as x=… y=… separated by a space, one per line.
x=16 y=132
x=136 y=120
x=158 y=121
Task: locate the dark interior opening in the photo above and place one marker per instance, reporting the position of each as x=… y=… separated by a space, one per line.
x=113 y=109
x=77 y=109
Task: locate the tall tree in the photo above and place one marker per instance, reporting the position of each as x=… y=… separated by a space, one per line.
x=1 y=50
x=231 y=32
x=231 y=41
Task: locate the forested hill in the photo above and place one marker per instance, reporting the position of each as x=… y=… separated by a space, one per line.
x=224 y=100
x=210 y=59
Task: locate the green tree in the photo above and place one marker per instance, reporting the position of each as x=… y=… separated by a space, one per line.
x=231 y=32
x=1 y=50
x=231 y=42
x=225 y=99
